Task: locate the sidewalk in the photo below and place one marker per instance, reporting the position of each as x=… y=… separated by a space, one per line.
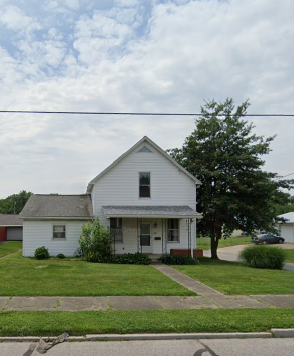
x=206 y=298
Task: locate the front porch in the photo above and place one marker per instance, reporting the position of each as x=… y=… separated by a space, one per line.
x=152 y=230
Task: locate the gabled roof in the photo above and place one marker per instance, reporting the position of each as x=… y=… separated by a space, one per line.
x=58 y=207
x=10 y=220
x=158 y=211
x=155 y=146
x=289 y=217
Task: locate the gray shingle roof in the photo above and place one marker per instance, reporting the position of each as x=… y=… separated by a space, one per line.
x=10 y=220
x=58 y=206
x=137 y=211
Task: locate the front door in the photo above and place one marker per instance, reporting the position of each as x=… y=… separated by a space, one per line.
x=145 y=238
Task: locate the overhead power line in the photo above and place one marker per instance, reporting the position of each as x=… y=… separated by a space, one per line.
x=130 y=113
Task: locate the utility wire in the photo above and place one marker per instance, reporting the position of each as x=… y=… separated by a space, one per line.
x=279 y=177
x=132 y=113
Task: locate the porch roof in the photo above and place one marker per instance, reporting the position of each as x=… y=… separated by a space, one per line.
x=151 y=211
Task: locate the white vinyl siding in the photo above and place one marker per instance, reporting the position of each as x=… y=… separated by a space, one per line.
x=38 y=233
x=119 y=186
x=169 y=186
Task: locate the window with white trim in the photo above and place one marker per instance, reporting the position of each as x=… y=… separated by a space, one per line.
x=116 y=229
x=144 y=185
x=173 y=231
x=58 y=231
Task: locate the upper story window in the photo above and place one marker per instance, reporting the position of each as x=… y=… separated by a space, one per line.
x=116 y=229
x=144 y=185
x=59 y=231
x=173 y=232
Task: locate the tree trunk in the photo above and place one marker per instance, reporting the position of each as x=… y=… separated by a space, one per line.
x=213 y=248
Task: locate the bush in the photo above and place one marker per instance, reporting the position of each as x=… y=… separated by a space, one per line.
x=78 y=252
x=95 y=243
x=133 y=259
x=42 y=253
x=61 y=256
x=263 y=257
x=178 y=260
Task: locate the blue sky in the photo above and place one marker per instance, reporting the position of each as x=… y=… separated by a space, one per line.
x=133 y=55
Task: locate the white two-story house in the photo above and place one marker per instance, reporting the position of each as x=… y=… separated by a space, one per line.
x=145 y=197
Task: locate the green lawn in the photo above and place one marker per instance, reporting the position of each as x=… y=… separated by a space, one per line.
x=289 y=255
x=204 y=242
x=8 y=247
x=143 y=321
x=28 y=277
x=234 y=278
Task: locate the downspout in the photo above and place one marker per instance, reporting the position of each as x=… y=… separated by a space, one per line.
x=195 y=233
x=162 y=237
x=190 y=223
x=138 y=244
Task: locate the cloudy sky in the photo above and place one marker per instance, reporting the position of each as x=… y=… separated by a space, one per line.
x=133 y=56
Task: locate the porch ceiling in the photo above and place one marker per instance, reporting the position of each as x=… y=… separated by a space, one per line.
x=151 y=211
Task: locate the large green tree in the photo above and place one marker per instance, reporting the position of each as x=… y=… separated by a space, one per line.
x=14 y=203
x=226 y=156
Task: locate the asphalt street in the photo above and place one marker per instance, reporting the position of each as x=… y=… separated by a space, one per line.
x=224 y=347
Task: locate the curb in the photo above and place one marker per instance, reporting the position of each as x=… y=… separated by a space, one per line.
x=283 y=332
x=274 y=333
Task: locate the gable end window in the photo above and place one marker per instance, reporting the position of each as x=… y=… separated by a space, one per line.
x=173 y=231
x=144 y=185
x=116 y=229
x=58 y=231
x=144 y=149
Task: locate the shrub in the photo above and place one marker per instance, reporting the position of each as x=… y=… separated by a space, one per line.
x=61 y=256
x=78 y=252
x=263 y=257
x=133 y=259
x=178 y=260
x=42 y=253
x=95 y=242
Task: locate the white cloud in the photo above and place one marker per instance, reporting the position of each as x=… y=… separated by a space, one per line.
x=160 y=56
x=14 y=19
x=127 y=3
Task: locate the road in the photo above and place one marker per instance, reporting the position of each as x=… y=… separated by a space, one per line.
x=225 y=347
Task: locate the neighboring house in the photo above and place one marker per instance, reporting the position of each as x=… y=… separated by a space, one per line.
x=145 y=197
x=10 y=227
x=287 y=228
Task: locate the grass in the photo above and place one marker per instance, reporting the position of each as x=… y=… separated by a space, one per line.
x=29 y=277
x=289 y=255
x=8 y=247
x=204 y=242
x=233 y=278
x=143 y=321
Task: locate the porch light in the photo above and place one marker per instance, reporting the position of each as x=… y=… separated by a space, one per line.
x=155 y=225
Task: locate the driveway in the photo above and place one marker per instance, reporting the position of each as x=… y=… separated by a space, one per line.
x=231 y=253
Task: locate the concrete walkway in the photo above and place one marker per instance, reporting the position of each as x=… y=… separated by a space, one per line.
x=144 y=302
x=206 y=298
